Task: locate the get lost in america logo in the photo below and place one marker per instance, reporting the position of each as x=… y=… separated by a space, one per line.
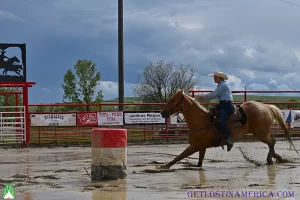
x=8 y=192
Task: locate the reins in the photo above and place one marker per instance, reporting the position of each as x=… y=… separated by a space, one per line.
x=181 y=101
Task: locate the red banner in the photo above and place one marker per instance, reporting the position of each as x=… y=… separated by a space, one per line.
x=87 y=119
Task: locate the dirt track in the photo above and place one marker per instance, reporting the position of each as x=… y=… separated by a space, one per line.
x=58 y=173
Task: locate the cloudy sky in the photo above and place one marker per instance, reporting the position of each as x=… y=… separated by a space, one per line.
x=255 y=42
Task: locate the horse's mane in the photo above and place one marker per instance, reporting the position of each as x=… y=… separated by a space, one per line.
x=195 y=102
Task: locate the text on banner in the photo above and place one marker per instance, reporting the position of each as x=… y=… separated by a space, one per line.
x=295 y=115
x=110 y=118
x=87 y=119
x=52 y=119
x=143 y=118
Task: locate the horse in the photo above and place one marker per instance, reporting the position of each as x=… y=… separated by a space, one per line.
x=9 y=66
x=249 y=117
x=10 y=61
x=13 y=68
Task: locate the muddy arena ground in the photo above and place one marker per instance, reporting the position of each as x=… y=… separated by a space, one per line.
x=59 y=173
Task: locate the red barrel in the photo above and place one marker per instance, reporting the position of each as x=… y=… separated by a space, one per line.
x=109 y=154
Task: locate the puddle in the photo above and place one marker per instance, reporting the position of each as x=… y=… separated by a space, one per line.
x=61 y=174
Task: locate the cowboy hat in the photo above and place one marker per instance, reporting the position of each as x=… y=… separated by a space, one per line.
x=219 y=74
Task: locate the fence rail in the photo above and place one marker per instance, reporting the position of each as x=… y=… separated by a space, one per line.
x=165 y=132
x=12 y=124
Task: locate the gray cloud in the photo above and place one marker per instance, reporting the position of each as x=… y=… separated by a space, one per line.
x=266 y=31
x=254 y=41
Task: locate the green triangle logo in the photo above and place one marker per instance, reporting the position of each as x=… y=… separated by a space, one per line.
x=8 y=192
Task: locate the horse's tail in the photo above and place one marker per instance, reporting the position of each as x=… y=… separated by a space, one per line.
x=276 y=112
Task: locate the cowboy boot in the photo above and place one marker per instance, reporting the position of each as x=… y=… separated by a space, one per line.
x=229 y=144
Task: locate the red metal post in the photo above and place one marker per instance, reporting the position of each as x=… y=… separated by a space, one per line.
x=167 y=130
x=193 y=94
x=27 y=116
x=18 y=120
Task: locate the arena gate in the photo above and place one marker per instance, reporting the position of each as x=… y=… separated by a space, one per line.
x=14 y=113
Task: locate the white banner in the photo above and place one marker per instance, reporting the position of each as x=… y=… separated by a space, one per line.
x=110 y=118
x=177 y=119
x=52 y=119
x=143 y=118
x=285 y=114
x=295 y=118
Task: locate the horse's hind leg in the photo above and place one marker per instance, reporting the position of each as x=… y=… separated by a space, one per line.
x=187 y=152
x=201 y=157
x=270 y=141
x=274 y=154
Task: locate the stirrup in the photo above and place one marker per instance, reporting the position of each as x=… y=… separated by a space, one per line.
x=229 y=147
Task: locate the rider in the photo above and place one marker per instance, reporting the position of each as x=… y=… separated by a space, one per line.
x=224 y=95
x=3 y=56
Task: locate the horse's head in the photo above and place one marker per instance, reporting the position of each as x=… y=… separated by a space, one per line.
x=15 y=59
x=174 y=104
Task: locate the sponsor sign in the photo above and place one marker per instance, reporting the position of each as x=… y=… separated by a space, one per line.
x=87 y=119
x=295 y=115
x=177 y=119
x=53 y=119
x=286 y=115
x=110 y=118
x=143 y=118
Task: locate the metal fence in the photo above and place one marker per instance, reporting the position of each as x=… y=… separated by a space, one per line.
x=12 y=124
x=136 y=132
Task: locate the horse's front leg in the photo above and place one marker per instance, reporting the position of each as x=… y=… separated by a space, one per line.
x=18 y=72
x=201 y=157
x=187 y=152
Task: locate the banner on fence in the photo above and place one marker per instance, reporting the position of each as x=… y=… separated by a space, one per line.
x=87 y=119
x=295 y=115
x=52 y=119
x=143 y=118
x=110 y=118
x=177 y=119
x=286 y=115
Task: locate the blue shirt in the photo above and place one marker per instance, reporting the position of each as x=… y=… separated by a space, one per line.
x=222 y=92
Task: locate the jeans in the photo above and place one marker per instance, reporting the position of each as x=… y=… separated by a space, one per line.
x=225 y=110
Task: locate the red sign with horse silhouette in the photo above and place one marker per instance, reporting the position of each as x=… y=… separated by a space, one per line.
x=87 y=119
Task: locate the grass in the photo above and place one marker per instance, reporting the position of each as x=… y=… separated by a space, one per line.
x=266 y=98
x=104 y=107
x=235 y=98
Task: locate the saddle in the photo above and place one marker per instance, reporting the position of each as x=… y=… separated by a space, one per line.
x=235 y=120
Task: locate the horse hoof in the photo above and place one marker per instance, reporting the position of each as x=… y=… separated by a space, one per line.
x=162 y=167
x=199 y=165
x=270 y=162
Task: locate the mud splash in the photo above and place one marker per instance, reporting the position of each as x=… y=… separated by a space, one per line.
x=247 y=158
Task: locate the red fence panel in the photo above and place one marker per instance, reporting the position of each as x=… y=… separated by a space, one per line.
x=149 y=130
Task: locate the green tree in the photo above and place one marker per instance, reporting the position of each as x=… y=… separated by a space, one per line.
x=41 y=108
x=294 y=105
x=79 y=87
x=161 y=80
x=10 y=99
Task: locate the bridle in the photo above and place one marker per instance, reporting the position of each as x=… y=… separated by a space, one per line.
x=182 y=110
x=179 y=102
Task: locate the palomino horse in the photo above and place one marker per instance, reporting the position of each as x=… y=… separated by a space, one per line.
x=250 y=117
